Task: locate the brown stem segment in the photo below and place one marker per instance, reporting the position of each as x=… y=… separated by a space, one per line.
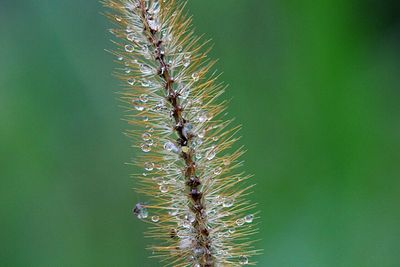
x=193 y=182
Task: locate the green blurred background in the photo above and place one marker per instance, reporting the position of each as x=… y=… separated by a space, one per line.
x=314 y=83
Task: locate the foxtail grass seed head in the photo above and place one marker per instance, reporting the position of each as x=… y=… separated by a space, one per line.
x=194 y=196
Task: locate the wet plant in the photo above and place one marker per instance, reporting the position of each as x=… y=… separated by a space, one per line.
x=195 y=196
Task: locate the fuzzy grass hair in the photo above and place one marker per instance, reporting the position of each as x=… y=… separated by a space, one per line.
x=195 y=196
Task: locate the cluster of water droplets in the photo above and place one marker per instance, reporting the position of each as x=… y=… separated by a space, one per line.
x=143 y=71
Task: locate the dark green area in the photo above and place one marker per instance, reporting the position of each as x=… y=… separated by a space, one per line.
x=316 y=85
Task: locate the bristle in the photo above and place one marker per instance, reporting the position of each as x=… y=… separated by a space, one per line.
x=195 y=198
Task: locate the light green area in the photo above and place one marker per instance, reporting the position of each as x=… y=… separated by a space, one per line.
x=314 y=83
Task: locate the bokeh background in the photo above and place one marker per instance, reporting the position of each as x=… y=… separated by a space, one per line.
x=316 y=85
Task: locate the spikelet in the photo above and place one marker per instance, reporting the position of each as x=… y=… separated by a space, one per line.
x=194 y=194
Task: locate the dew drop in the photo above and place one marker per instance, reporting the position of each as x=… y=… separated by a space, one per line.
x=145 y=83
x=146 y=148
x=145 y=49
x=138 y=105
x=201 y=134
x=131 y=81
x=211 y=154
x=119 y=58
x=149 y=142
x=239 y=222
x=169 y=146
x=187 y=129
x=186 y=63
x=249 y=218
x=145 y=69
x=185 y=93
x=146 y=136
x=218 y=170
x=155 y=218
x=212 y=212
x=154 y=25
x=130 y=36
x=164 y=188
x=173 y=212
x=129 y=48
x=198 y=251
x=226 y=162
x=202 y=117
x=129 y=28
x=195 y=76
x=227 y=202
x=149 y=166
x=144 y=98
x=243 y=260
x=155 y=8
x=140 y=211
x=118 y=19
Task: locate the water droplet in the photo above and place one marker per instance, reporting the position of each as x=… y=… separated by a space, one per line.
x=227 y=202
x=195 y=76
x=198 y=155
x=148 y=166
x=129 y=28
x=149 y=142
x=131 y=6
x=155 y=218
x=146 y=136
x=226 y=162
x=243 y=260
x=218 y=170
x=118 y=19
x=239 y=222
x=203 y=117
x=202 y=133
x=145 y=83
x=154 y=24
x=145 y=118
x=211 y=154
x=138 y=106
x=129 y=48
x=212 y=212
x=187 y=130
x=131 y=81
x=164 y=188
x=198 y=251
x=119 y=58
x=144 y=98
x=173 y=212
x=145 y=69
x=169 y=146
x=146 y=148
x=140 y=211
x=130 y=36
x=249 y=218
x=155 y=8
x=186 y=63
x=145 y=49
